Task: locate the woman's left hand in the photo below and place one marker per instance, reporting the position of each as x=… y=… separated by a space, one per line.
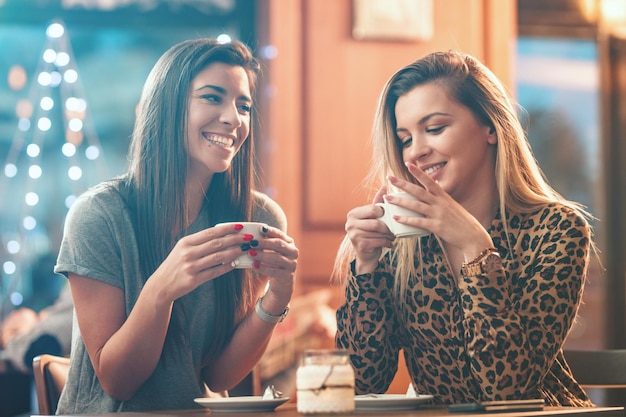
x=276 y=257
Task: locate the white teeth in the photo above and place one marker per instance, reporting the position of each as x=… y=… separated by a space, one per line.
x=434 y=168
x=220 y=140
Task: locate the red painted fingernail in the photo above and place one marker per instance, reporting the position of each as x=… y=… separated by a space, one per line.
x=256 y=264
x=252 y=252
x=238 y=227
x=248 y=237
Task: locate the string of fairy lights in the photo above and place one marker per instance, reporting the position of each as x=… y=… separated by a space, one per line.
x=55 y=154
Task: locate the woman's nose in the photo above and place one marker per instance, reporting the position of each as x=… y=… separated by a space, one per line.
x=419 y=148
x=230 y=115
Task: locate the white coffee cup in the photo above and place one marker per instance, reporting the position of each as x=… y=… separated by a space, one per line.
x=251 y=228
x=391 y=210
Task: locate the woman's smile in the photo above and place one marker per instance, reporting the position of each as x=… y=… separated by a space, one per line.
x=219 y=140
x=433 y=168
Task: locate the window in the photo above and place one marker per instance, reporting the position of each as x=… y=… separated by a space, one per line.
x=558 y=86
x=112 y=53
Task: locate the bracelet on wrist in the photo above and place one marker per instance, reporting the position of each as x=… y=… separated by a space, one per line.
x=486 y=262
x=267 y=317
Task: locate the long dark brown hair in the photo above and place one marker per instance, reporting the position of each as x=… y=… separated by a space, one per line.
x=155 y=183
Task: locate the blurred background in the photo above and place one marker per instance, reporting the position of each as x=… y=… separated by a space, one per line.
x=71 y=72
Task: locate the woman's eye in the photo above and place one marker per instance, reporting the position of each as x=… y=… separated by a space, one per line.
x=245 y=108
x=435 y=130
x=212 y=98
x=405 y=142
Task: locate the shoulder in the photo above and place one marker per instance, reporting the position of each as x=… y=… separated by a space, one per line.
x=105 y=194
x=266 y=210
x=558 y=216
x=553 y=221
x=103 y=201
x=549 y=216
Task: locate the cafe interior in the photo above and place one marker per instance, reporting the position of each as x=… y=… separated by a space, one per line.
x=324 y=63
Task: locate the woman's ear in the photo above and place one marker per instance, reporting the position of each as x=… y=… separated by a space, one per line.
x=492 y=138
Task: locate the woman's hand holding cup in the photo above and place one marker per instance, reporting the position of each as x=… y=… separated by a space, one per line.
x=394 y=211
x=252 y=234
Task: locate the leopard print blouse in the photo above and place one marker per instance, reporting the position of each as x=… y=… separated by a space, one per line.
x=487 y=337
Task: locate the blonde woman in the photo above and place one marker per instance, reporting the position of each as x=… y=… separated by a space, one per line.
x=482 y=305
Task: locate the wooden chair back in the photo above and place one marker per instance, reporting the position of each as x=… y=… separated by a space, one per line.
x=50 y=374
x=598 y=368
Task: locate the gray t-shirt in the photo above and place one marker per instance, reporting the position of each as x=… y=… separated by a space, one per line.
x=99 y=243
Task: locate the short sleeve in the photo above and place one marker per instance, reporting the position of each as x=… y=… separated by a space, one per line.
x=94 y=227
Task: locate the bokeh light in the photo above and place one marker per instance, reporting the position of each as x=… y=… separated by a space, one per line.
x=74 y=173
x=31 y=199
x=63 y=58
x=13 y=247
x=69 y=200
x=70 y=76
x=29 y=223
x=92 y=152
x=44 y=79
x=55 y=30
x=17 y=298
x=44 y=124
x=75 y=125
x=224 y=38
x=9 y=267
x=17 y=77
x=49 y=55
x=74 y=137
x=33 y=150
x=55 y=78
x=75 y=104
x=46 y=103
x=24 y=109
x=10 y=170
x=23 y=124
x=68 y=149
x=34 y=171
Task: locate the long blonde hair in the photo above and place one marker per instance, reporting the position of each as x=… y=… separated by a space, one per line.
x=521 y=184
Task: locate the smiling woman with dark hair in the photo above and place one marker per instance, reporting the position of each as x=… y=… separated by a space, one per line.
x=163 y=313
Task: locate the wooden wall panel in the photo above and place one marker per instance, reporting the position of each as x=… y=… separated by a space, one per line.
x=280 y=101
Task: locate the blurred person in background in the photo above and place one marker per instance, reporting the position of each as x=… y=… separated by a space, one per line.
x=25 y=333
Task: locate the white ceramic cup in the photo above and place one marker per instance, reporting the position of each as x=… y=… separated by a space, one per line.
x=251 y=228
x=400 y=229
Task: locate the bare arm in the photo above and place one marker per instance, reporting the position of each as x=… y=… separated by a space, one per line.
x=125 y=349
x=276 y=259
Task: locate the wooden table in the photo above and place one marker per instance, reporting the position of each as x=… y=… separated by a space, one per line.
x=289 y=410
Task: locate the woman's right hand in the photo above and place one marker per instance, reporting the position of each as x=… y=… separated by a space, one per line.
x=198 y=258
x=368 y=234
x=125 y=348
